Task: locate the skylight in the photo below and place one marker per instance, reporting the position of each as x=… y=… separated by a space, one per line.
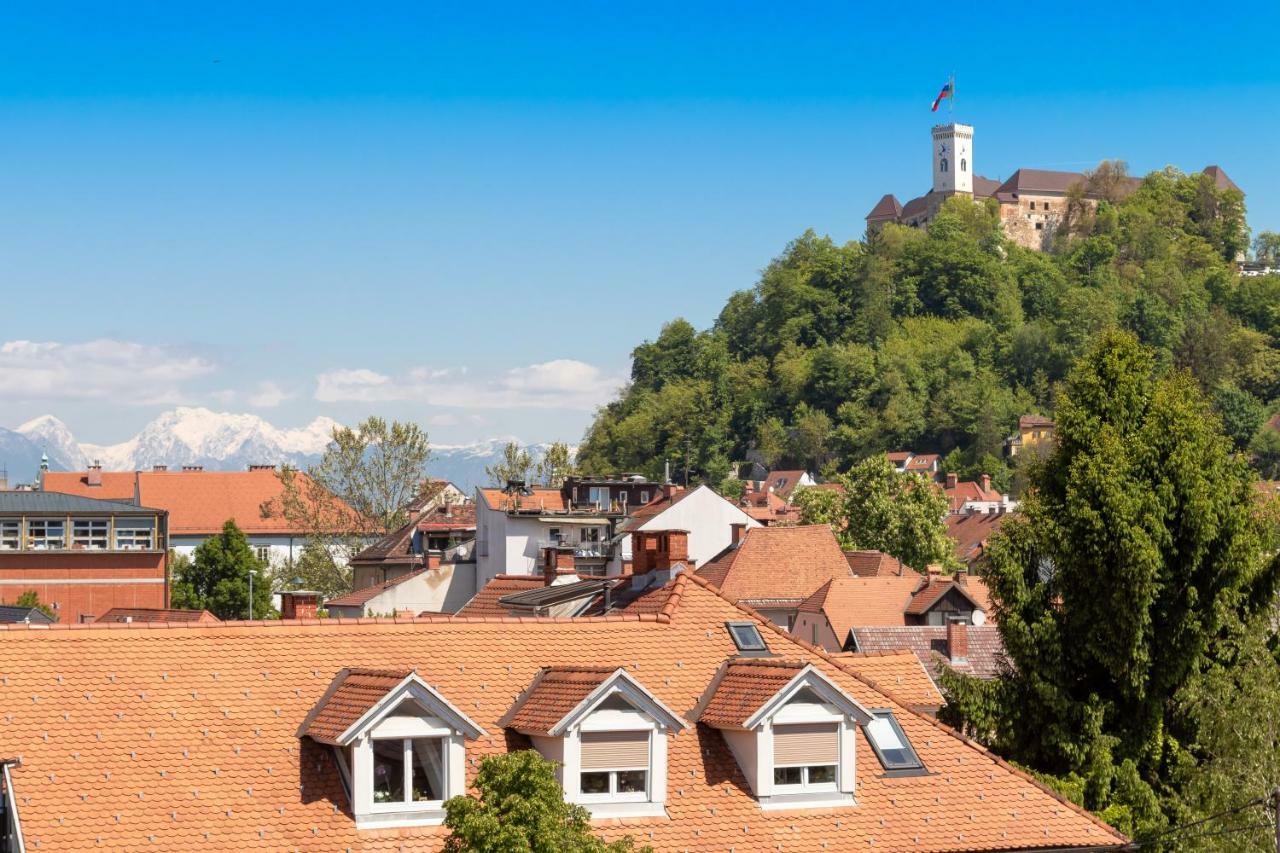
x=746 y=636
x=890 y=743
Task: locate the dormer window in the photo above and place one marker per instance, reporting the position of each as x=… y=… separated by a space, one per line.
x=746 y=636
x=891 y=745
x=607 y=734
x=795 y=747
x=400 y=745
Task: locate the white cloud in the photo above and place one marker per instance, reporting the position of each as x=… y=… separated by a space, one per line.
x=269 y=395
x=121 y=371
x=561 y=384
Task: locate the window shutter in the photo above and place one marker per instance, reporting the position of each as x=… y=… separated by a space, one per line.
x=615 y=750
x=816 y=743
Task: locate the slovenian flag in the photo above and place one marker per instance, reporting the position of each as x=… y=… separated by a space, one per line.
x=947 y=92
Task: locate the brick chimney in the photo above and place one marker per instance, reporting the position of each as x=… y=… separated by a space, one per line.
x=159 y=468
x=986 y=482
x=192 y=467
x=257 y=467
x=739 y=530
x=957 y=641
x=95 y=474
x=669 y=490
x=952 y=480
x=962 y=575
x=659 y=550
x=558 y=565
x=299 y=604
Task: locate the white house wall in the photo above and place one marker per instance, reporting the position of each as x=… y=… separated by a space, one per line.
x=708 y=517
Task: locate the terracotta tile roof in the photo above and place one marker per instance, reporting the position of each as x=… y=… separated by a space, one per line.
x=554 y=693
x=116 y=485
x=917 y=206
x=971 y=532
x=352 y=694
x=898 y=671
x=746 y=685
x=395 y=548
x=849 y=602
x=1033 y=421
x=887 y=207
x=767 y=507
x=872 y=564
x=923 y=462
x=967 y=491
x=929 y=595
x=198 y=502
x=778 y=562
x=784 y=483
x=542 y=500
x=218 y=707
x=150 y=614
x=360 y=597
x=899 y=456
x=454 y=517
x=485 y=602
x=929 y=643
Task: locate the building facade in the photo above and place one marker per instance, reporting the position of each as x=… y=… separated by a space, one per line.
x=82 y=556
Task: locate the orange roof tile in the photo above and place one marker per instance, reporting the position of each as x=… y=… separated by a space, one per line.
x=116 y=485
x=849 y=602
x=971 y=533
x=870 y=564
x=900 y=672
x=968 y=490
x=186 y=737
x=542 y=500
x=155 y=614
x=485 y=602
x=778 y=562
x=745 y=686
x=554 y=693
x=200 y=502
x=985 y=657
x=660 y=504
x=784 y=482
x=929 y=594
x=352 y=694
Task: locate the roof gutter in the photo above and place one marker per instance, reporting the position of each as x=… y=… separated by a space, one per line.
x=14 y=828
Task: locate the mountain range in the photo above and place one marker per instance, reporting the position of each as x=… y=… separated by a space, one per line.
x=219 y=441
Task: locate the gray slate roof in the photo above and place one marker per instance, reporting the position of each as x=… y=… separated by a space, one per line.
x=13 y=503
x=11 y=614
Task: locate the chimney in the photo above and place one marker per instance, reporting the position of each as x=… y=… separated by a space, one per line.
x=957 y=641
x=986 y=482
x=159 y=468
x=934 y=570
x=95 y=474
x=739 y=529
x=962 y=575
x=669 y=490
x=192 y=467
x=952 y=480
x=659 y=550
x=558 y=565
x=677 y=547
x=405 y=613
x=643 y=548
x=299 y=604
x=256 y=467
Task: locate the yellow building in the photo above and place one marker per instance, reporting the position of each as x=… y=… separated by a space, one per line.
x=1035 y=433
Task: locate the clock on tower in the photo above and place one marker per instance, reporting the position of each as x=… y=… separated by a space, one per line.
x=953 y=159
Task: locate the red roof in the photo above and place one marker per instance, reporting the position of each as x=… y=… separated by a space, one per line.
x=196 y=729
x=747 y=684
x=985 y=657
x=660 y=504
x=485 y=602
x=971 y=533
x=1033 y=421
x=116 y=485
x=784 y=483
x=871 y=564
x=554 y=693
x=155 y=614
x=353 y=693
x=778 y=562
x=893 y=670
x=970 y=492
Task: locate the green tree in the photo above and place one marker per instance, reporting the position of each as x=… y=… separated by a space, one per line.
x=1266 y=246
x=520 y=806
x=808 y=440
x=359 y=490
x=881 y=509
x=1134 y=560
x=555 y=465
x=1265 y=450
x=516 y=463
x=31 y=598
x=217 y=579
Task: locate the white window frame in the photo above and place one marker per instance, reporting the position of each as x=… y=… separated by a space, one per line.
x=613 y=795
x=263 y=553
x=45 y=524
x=805 y=786
x=85 y=531
x=410 y=805
x=129 y=535
x=10 y=534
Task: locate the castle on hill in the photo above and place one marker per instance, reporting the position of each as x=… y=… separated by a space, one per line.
x=1032 y=201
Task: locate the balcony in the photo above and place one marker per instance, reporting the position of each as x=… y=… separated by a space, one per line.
x=585 y=549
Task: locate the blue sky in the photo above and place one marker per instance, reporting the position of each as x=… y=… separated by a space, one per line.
x=469 y=217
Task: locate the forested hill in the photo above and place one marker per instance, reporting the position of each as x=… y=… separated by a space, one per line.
x=939 y=340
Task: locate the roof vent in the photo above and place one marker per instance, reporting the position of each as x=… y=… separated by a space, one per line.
x=192 y=467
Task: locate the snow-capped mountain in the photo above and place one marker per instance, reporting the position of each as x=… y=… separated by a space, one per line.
x=216 y=440
x=220 y=441
x=54 y=438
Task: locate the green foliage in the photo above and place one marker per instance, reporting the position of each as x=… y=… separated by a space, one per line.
x=516 y=463
x=31 y=598
x=1266 y=246
x=555 y=465
x=1134 y=560
x=1265 y=449
x=217 y=579
x=938 y=340
x=318 y=569
x=881 y=509
x=520 y=807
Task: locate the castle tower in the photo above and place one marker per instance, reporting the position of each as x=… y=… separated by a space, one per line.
x=953 y=159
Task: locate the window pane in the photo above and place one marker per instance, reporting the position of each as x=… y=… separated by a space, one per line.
x=787 y=775
x=631 y=781
x=825 y=774
x=388 y=771
x=595 y=783
x=428 y=769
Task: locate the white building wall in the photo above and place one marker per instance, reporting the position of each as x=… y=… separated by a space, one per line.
x=708 y=517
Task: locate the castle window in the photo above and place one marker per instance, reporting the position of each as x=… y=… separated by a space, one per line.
x=1033 y=205
x=964 y=165
x=942 y=165
x=1039 y=226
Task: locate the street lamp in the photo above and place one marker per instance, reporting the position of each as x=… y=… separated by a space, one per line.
x=252 y=572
